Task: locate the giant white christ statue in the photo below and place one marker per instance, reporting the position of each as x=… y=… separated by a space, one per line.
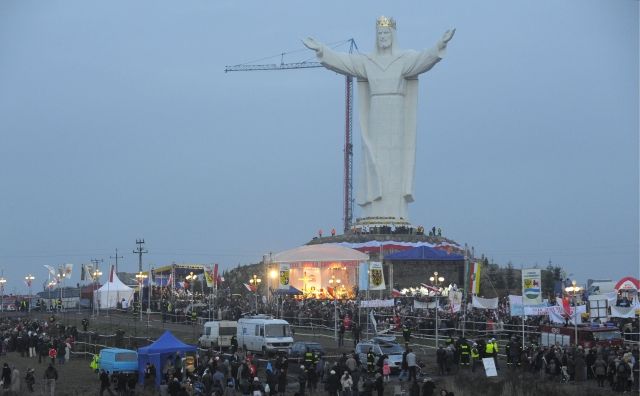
x=388 y=98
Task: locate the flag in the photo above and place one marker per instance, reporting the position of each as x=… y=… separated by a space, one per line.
x=88 y=272
x=51 y=270
x=376 y=276
x=209 y=278
x=251 y=288
x=430 y=288
x=170 y=280
x=531 y=286
x=68 y=268
x=566 y=306
x=215 y=272
x=474 y=278
x=331 y=291
x=111 y=274
x=285 y=276
x=396 y=293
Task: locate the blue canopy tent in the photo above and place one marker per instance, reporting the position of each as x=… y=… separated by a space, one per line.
x=158 y=352
x=424 y=253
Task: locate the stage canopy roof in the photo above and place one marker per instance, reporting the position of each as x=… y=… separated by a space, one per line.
x=424 y=253
x=319 y=253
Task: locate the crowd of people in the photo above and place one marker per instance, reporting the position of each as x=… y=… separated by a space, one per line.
x=46 y=341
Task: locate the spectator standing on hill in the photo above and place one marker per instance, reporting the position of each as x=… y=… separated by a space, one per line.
x=6 y=376
x=50 y=378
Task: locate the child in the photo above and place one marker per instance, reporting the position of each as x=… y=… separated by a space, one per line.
x=386 y=370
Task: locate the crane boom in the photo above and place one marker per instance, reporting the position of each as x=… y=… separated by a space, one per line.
x=348 y=133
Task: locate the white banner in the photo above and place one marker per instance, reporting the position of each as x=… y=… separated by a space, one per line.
x=485 y=303
x=284 y=278
x=490 y=367
x=455 y=299
x=531 y=286
x=424 y=305
x=557 y=315
x=376 y=276
x=623 y=312
x=377 y=303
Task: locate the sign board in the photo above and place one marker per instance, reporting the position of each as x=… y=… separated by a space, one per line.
x=490 y=367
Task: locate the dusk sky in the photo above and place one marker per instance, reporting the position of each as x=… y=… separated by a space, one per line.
x=117 y=122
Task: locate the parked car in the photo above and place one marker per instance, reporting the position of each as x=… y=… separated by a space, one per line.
x=116 y=360
x=382 y=346
x=299 y=348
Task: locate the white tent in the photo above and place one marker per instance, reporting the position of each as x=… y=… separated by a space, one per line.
x=112 y=292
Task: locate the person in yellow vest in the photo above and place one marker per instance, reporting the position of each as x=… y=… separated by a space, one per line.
x=495 y=352
x=475 y=356
x=95 y=363
x=489 y=349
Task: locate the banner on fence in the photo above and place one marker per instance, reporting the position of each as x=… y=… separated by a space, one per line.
x=424 y=305
x=517 y=309
x=623 y=312
x=531 y=286
x=557 y=314
x=377 y=303
x=485 y=303
x=284 y=276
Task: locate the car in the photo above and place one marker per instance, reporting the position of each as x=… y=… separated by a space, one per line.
x=299 y=348
x=382 y=346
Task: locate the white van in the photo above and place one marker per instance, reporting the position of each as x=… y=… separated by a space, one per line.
x=218 y=334
x=264 y=334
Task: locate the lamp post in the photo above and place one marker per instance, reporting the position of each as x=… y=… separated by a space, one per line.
x=335 y=282
x=437 y=280
x=191 y=278
x=29 y=279
x=140 y=277
x=96 y=275
x=61 y=283
x=2 y=282
x=255 y=282
x=573 y=290
x=275 y=284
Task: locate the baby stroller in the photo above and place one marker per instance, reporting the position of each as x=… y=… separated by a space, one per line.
x=564 y=374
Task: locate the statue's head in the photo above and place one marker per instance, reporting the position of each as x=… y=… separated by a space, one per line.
x=385 y=32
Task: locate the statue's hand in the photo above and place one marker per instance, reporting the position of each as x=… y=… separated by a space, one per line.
x=311 y=43
x=448 y=35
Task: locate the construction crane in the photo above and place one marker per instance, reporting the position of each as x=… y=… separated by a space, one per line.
x=348 y=110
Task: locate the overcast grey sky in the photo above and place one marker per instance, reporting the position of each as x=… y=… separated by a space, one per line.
x=118 y=122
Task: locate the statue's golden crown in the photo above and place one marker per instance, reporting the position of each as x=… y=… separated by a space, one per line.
x=383 y=21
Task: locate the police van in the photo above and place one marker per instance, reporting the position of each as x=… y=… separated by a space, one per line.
x=218 y=333
x=262 y=333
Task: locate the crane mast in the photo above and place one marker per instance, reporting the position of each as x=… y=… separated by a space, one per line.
x=347 y=215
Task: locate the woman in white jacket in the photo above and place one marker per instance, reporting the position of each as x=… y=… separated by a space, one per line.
x=346 y=383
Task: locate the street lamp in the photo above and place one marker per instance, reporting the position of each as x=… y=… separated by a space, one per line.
x=335 y=282
x=96 y=275
x=2 y=282
x=61 y=283
x=29 y=279
x=437 y=280
x=255 y=282
x=573 y=290
x=140 y=277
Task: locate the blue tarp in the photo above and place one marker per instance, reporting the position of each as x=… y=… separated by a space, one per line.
x=424 y=253
x=291 y=291
x=165 y=347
